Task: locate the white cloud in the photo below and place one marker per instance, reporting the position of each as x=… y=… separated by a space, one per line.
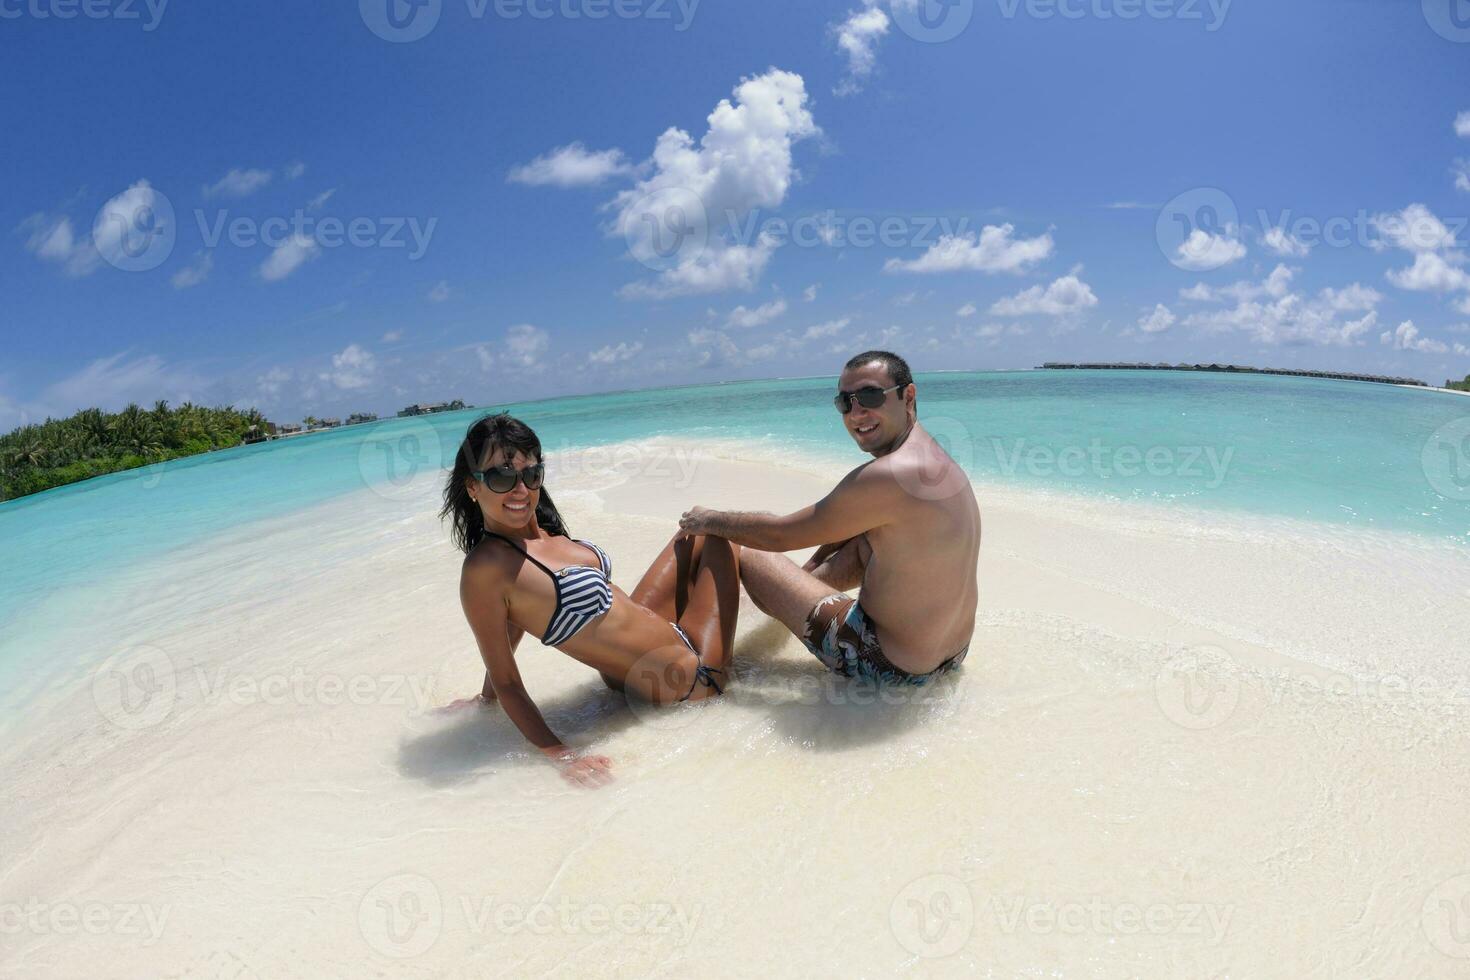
x=1203 y=251
x=994 y=331
x=993 y=251
x=51 y=239
x=526 y=344
x=1462 y=125
x=320 y=201
x=1065 y=296
x=1438 y=261
x=392 y=337
x=440 y=292
x=270 y=384
x=829 y=329
x=485 y=356
x=295 y=170
x=714 y=270
x=238 y=183
x=120 y=214
x=1406 y=337
x=1277 y=284
x=857 y=37
x=1414 y=229
x=1431 y=273
x=572 y=165
x=1356 y=298
x=614 y=355
x=765 y=313
x=353 y=368
x=967 y=310
x=54 y=241
x=111 y=382
x=743 y=162
x=1161 y=319
x=810 y=293
x=195 y=272
x=1461 y=170
x=1269 y=313
x=1280 y=241
x=714 y=348
x=287 y=257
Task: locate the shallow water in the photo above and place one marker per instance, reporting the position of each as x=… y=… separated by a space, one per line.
x=1138 y=772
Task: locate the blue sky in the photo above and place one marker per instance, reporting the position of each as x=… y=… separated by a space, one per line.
x=613 y=195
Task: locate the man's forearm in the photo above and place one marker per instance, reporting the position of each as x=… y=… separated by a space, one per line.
x=749 y=529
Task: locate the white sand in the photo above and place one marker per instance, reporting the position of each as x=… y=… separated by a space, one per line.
x=1137 y=773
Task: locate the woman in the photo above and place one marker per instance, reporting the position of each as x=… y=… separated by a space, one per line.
x=670 y=641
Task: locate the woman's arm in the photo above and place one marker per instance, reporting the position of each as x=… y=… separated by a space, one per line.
x=487 y=690
x=483 y=591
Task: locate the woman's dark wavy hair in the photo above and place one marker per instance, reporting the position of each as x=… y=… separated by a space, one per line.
x=484 y=436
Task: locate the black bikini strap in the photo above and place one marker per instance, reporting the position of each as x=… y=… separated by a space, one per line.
x=534 y=559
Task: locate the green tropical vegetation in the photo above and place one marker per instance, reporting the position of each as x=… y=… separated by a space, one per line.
x=93 y=442
x=1459 y=385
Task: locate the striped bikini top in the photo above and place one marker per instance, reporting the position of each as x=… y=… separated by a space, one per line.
x=582 y=593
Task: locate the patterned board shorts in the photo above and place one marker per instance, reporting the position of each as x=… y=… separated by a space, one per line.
x=841 y=636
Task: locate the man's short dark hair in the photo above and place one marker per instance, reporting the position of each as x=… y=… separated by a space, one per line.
x=897 y=367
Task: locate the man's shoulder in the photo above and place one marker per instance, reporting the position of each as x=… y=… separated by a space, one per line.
x=926 y=473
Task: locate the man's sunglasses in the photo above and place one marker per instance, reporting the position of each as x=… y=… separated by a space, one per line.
x=503 y=478
x=869 y=397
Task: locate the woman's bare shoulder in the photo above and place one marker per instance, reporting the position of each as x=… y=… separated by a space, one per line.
x=489 y=565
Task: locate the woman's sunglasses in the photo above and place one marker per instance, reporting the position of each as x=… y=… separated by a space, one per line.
x=503 y=478
x=869 y=397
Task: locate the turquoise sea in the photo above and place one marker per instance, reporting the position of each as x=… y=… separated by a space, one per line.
x=1360 y=455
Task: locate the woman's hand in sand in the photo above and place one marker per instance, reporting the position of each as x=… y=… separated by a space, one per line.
x=478 y=701
x=584 y=770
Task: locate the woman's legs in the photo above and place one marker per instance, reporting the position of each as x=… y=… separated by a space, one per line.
x=664 y=588
x=695 y=582
x=713 y=606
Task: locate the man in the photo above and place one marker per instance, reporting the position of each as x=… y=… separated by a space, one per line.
x=906 y=527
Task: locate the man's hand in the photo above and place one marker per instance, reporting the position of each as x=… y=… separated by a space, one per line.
x=695 y=521
x=822 y=554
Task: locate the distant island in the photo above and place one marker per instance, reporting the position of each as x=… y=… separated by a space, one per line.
x=313 y=424
x=92 y=442
x=1241 y=369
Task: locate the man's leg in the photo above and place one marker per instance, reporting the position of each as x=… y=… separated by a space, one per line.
x=781 y=588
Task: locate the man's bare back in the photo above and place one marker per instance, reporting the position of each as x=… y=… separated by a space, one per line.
x=905 y=527
x=918 y=580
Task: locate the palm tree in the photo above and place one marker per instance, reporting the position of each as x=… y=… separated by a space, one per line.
x=32 y=454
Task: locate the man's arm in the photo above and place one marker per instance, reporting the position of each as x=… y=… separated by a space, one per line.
x=866 y=498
